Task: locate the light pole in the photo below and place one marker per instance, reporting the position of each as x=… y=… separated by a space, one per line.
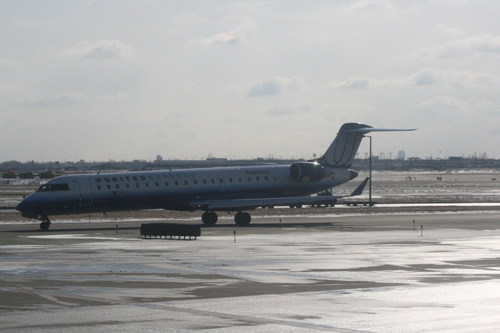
x=370 y=173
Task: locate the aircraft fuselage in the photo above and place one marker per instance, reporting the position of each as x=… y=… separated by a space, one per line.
x=170 y=189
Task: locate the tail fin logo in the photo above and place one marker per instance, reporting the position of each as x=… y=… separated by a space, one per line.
x=343 y=149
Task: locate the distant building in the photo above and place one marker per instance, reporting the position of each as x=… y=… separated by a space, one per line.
x=159 y=158
x=401 y=155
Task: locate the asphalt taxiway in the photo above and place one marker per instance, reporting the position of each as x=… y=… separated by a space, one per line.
x=373 y=273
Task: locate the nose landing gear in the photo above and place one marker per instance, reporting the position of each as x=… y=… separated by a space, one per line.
x=45 y=224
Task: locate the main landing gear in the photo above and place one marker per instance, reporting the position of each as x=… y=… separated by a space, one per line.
x=209 y=218
x=241 y=218
x=45 y=224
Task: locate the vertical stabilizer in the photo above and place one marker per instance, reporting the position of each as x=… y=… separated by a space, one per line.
x=343 y=149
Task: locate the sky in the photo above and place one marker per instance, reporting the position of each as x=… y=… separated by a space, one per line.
x=124 y=80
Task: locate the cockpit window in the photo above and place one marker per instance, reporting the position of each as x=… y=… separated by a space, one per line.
x=53 y=187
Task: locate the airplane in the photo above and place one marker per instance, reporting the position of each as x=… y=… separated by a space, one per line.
x=231 y=189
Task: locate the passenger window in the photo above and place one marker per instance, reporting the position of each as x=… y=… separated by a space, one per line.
x=205 y=181
x=137 y=185
x=176 y=183
x=258 y=179
x=108 y=186
x=157 y=184
x=213 y=181
x=185 y=182
x=166 y=183
x=99 y=187
x=195 y=182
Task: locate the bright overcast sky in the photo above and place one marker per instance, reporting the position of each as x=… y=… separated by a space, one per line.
x=123 y=80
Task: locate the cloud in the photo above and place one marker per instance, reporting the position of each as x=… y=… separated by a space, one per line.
x=116 y=97
x=66 y=99
x=353 y=83
x=444 y=29
x=471 y=80
x=487 y=107
x=443 y=108
x=447 y=102
x=426 y=77
x=242 y=33
x=286 y=110
x=266 y=88
x=484 y=44
x=364 y=5
x=103 y=49
x=6 y=63
x=273 y=86
x=222 y=38
x=494 y=131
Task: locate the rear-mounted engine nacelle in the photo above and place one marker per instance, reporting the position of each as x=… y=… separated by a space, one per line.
x=307 y=172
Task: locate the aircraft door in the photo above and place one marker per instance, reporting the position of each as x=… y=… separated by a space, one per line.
x=86 y=194
x=222 y=183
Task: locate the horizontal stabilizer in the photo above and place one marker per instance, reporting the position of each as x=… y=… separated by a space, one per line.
x=367 y=130
x=360 y=188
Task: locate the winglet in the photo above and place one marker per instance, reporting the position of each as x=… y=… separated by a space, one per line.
x=360 y=188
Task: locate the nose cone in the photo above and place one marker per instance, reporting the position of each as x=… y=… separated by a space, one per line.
x=354 y=174
x=21 y=206
x=26 y=209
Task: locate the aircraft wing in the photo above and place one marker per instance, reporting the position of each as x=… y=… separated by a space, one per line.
x=237 y=204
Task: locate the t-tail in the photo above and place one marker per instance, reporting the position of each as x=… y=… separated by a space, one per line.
x=343 y=149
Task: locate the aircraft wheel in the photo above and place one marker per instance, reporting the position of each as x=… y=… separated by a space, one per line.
x=209 y=218
x=45 y=223
x=242 y=218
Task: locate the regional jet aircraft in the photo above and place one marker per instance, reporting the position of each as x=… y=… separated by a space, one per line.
x=211 y=190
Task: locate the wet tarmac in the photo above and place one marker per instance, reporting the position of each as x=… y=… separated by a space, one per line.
x=397 y=272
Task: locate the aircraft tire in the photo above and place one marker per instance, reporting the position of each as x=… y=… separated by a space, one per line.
x=242 y=218
x=209 y=218
x=44 y=225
